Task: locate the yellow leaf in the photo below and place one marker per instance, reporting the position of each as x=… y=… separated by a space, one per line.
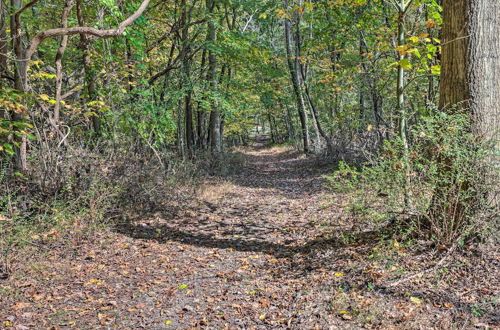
x=44 y=97
x=413 y=39
x=396 y=244
x=262 y=317
x=405 y=64
x=369 y=128
x=167 y=322
x=402 y=49
x=416 y=301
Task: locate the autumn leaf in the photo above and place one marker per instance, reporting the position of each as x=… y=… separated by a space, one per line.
x=44 y=97
x=416 y=301
x=20 y=305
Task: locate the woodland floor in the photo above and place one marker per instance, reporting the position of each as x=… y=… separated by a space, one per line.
x=266 y=248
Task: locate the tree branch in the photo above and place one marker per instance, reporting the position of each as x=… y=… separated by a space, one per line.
x=40 y=37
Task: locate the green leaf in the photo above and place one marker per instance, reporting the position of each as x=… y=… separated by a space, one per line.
x=405 y=64
x=436 y=69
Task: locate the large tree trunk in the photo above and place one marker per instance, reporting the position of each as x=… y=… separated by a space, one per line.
x=483 y=73
x=454 y=89
x=470 y=81
x=470 y=74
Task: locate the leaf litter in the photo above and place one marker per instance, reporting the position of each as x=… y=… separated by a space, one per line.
x=265 y=248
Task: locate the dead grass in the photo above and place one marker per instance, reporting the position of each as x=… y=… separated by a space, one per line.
x=214 y=192
x=281 y=148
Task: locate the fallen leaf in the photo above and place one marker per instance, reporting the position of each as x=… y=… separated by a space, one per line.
x=416 y=301
x=20 y=305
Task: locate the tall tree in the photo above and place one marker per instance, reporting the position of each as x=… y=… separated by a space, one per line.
x=293 y=67
x=215 y=116
x=470 y=75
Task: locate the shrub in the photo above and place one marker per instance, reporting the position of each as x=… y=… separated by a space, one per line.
x=447 y=185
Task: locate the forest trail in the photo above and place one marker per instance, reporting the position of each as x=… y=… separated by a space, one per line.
x=265 y=248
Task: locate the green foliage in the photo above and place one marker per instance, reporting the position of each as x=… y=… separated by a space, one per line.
x=447 y=186
x=13 y=124
x=152 y=123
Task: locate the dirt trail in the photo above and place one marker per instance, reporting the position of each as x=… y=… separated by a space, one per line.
x=266 y=248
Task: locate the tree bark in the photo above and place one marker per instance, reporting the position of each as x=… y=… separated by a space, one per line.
x=188 y=110
x=215 y=118
x=4 y=47
x=470 y=81
x=483 y=75
x=295 y=83
x=454 y=88
x=401 y=106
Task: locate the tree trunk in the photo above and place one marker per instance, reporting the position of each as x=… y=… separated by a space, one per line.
x=89 y=75
x=20 y=75
x=215 y=118
x=4 y=70
x=470 y=81
x=483 y=73
x=188 y=110
x=454 y=89
x=295 y=83
x=401 y=107
x=59 y=65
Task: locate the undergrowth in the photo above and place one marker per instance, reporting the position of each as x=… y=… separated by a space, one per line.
x=450 y=199
x=68 y=203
